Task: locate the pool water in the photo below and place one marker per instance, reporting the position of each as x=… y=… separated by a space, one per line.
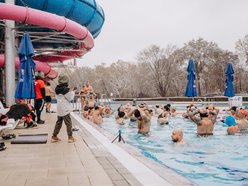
x=220 y=159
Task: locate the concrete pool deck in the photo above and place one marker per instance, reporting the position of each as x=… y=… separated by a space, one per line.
x=92 y=160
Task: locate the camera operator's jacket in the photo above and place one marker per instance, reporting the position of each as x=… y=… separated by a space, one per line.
x=64 y=98
x=64 y=105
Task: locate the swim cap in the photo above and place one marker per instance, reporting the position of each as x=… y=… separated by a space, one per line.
x=210 y=107
x=230 y=121
x=244 y=112
x=107 y=108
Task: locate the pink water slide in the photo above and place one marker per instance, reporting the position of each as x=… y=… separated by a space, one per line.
x=40 y=66
x=52 y=21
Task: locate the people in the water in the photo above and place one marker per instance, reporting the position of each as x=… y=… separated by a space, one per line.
x=120 y=118
x=177 y=136
x=143 y=121
x=232 y=126
x=241 y=119
x=204 y=120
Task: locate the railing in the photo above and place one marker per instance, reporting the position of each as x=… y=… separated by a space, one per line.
x=76 y=103
x=104 y=100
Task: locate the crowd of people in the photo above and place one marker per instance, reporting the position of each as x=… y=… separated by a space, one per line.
x=141 y=114
x=91 y=110
x=205 y=118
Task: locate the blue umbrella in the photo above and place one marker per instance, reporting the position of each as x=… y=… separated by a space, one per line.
x=229 y=91
x=26 y=74
x=191 y=88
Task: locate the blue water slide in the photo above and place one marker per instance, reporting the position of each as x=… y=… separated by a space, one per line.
x=85 y=12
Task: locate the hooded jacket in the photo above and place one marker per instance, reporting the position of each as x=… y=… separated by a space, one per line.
x=64 y=98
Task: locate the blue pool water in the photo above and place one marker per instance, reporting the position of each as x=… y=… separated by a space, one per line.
x=220 y=159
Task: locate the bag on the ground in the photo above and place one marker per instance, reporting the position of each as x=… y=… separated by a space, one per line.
x=3 y=119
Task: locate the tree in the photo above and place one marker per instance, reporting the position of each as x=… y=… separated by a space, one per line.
x=159 y=64
x=204 y=54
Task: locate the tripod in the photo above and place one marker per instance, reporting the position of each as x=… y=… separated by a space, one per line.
x=119 y=138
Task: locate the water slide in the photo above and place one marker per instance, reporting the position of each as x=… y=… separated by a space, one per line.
x=82 y=19
x=40 y=66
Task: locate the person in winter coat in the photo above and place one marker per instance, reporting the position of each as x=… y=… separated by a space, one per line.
x=64 y=96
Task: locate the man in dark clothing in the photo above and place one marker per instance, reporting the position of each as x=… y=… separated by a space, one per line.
x=40 y=96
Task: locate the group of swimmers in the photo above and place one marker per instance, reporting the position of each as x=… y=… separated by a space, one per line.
x=90 y=109
x=204 y=118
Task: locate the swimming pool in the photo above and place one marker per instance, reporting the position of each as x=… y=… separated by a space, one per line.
x=216 y=160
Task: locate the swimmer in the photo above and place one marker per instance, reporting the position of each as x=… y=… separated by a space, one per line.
x=232 y=127
x=122 y=109
x=150 y=112
x=107 y=112
x=204 y=122
x=86 y=112
x=83 y=93
x=241 y=119
x=177 y=136
x=189 y=108
x=143 y=120
x=232 y=111
x=158 y=109
x=163 y=118
x=97 y=115
x=91 y=101
x=88 y=87
x=173 y=112
x=120 y=119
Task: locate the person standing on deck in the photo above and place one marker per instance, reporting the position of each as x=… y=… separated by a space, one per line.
x=64 y=97
x=49 y=93
x=40 y=96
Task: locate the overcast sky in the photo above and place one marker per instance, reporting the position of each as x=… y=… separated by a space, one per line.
x=132 y=25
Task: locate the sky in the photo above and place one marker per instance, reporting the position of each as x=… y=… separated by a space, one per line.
x=133 y=25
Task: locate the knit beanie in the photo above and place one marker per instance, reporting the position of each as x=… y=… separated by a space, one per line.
x=63 y=79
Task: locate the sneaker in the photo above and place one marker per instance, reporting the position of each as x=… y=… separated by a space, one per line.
x=40 y=122
x=55 y=139
x=2 y=146
x=74 y=129
x=71 y=139
x=8 y=136
x=30 y=124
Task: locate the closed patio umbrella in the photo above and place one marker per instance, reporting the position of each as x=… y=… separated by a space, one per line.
x=229 y=91
x=191 y=88
x=26 y=74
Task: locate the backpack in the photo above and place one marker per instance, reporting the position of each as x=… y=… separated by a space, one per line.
x=3 y=119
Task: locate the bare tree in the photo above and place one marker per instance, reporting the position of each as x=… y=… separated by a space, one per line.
x=203 y=52
x=159 y=64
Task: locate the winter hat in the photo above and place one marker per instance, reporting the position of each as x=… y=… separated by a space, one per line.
x=230 y=121
x=63 y=79
x=244 y=112
x=40 y=74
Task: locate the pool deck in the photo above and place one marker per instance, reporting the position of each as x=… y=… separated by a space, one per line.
x=91 y=161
